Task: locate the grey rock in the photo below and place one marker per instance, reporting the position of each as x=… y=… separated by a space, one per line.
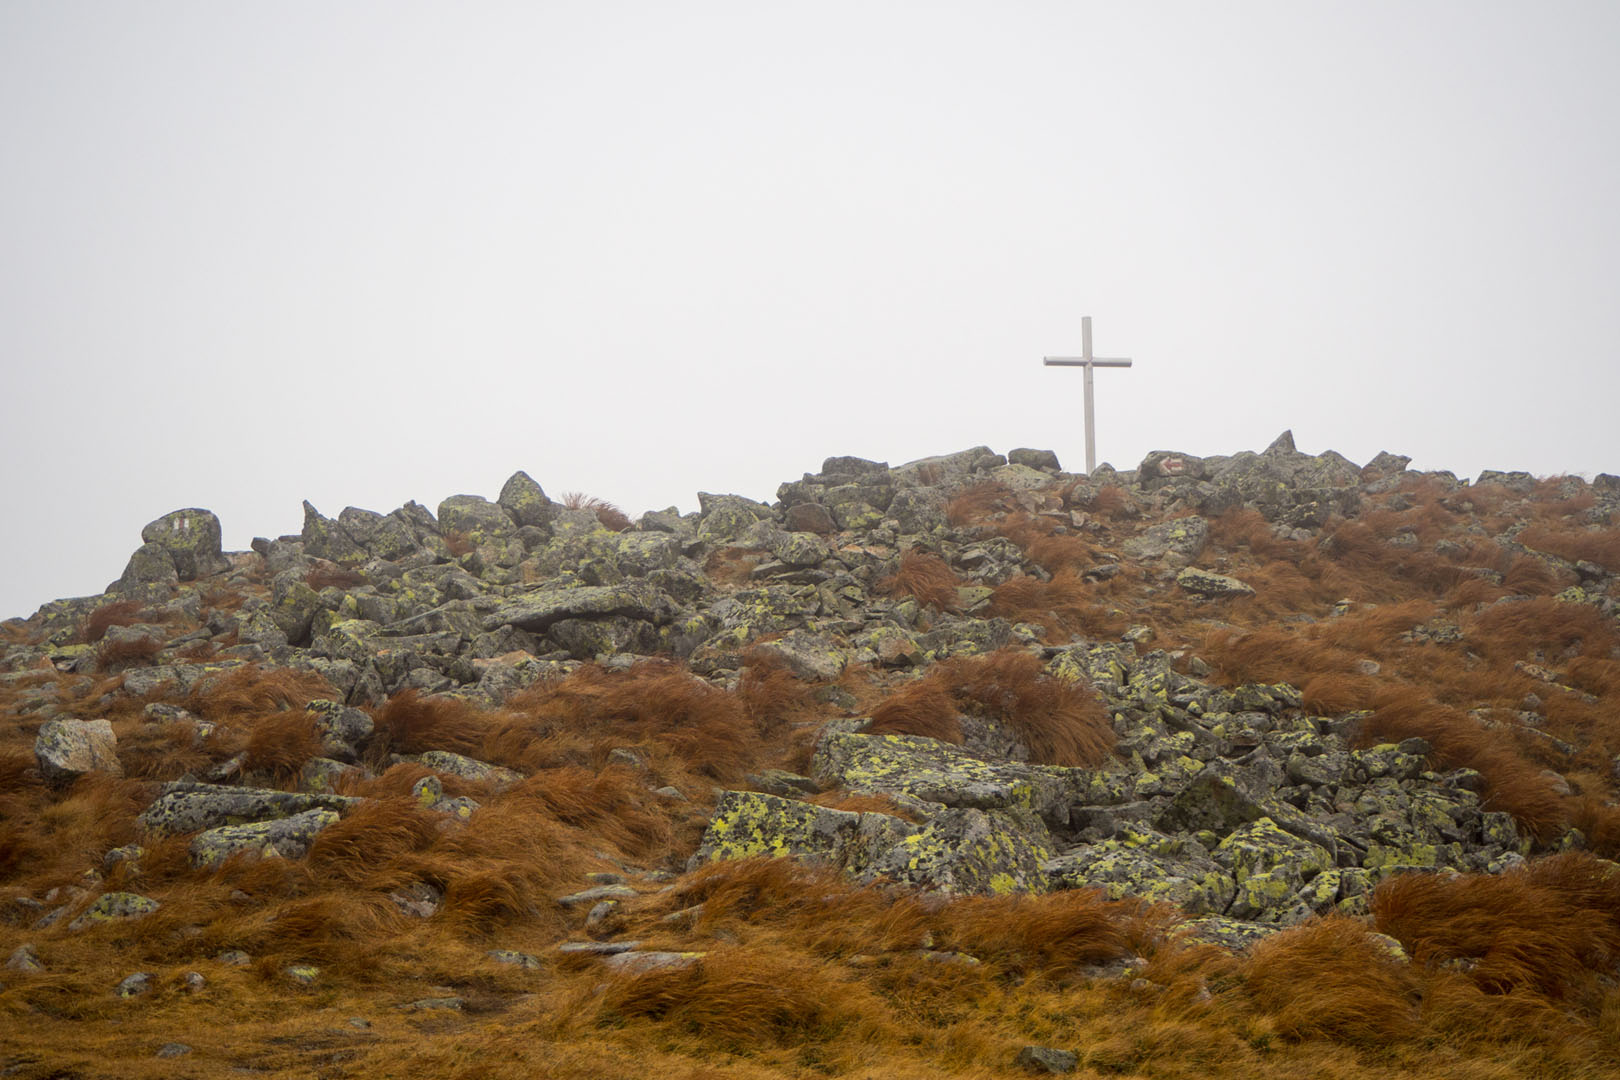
x=525 y=502
x=1044 y=1059
x=69 y=749
x=1034 y=459
x=192 y=539
x=287 y=838
x=151 y=564
x=114 y=907
x=1210 y=585
x=540 y=609
x=1176 y=543
x=132 y=986
x=24 y=958
x=635 y=963
x=173 y=1050
x=187 y=807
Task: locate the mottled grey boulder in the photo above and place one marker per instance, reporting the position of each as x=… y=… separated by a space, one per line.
x=475 y=517
x=324 y=538
x=1210 y=585
x=192 y=539
x=525 y=502
x=968 y=851
x=1176 y=542
x=150 y=565
x=723 y=518
x=538 y=610
x=468 y=768
x=811 y=657
x=1151 y=865
x=747 y=824
x=69 y=749
x=924 y=769
x=288 y=838
x=1169 y=465
x=342 y=729
x=1033 y=459
x=114 y=907
x=186 y=807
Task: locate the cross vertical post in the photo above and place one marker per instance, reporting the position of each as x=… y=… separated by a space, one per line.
x=1089 y=362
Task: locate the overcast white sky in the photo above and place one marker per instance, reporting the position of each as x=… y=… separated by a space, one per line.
x=360 y=253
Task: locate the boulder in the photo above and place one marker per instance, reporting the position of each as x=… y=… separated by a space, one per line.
x=926 y=770
x=1210 y=585
x=287 y=838
x=324 y=538
x=964 y=850
x=538 y=610
x=151 y=565
x=187 y=807
x=114 y=907
x=192 y=539
x=1176 y=543
x=525 y=502
x=69 y=749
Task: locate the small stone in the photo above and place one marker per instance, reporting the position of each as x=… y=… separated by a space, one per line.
x=24 y=958
x=234 y=958
x=601 y=912
x=597 y=948
x=114 y=905
x=193 y=981
x=173 y=1050
x=592 y=896
x=1044 y=1059
x=302 y=974
x=427 y=1004
x=517 y=959
x=135 y=985
x=634 y=963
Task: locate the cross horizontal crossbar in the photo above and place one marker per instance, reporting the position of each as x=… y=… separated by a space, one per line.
x=1076 y=361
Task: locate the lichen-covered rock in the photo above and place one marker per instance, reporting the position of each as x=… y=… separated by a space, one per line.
x=69 y=749
x=1270 y=866
x=747 y=824
x=967 y=851
x=1149 y=865
x=809 y=656
x=149 y=565
x=723 y=518
x=1211 y=585
x=538 y=610
x=1176 y=543
x=288 y=838
x=187 y=807
x=324 y=538
x=525 y=501
x=114 y=907
x=468 y=768
x=342 y=728
x=934 y=772
x=192 y=539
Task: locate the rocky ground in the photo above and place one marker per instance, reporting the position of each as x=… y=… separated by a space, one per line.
x=1229 y=704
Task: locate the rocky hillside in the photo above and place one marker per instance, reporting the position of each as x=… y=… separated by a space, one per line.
x=967 y=766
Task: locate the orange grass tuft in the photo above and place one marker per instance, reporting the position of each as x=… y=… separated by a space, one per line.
x=1328 y=979
x=1549 y=927
x=1062 y=723
x=104 y=618
x=926 y=578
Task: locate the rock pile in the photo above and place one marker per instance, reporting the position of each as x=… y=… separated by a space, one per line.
x=1238 y=804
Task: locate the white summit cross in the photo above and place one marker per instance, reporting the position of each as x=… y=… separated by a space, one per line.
x=1087 y=361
